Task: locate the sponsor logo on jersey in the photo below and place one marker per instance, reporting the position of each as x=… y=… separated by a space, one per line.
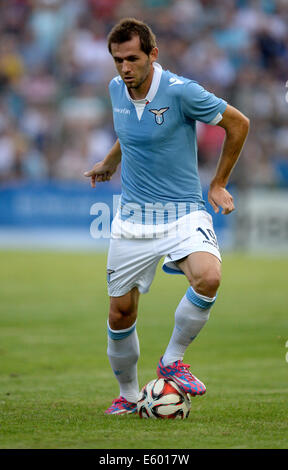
x=121 y=110
x=117 y=79
x=175 y=81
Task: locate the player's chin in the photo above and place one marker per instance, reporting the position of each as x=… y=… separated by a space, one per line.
x=130 y=85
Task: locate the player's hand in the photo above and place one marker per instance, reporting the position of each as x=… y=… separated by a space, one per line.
x=218 y=197
x=100 y=172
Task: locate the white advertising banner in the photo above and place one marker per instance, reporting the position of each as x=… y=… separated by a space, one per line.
x=262 y=221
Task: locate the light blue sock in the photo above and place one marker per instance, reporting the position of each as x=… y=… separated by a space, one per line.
x=191 y=315
x=123 y=353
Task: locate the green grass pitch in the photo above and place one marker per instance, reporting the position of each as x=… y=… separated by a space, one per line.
x=55 y=378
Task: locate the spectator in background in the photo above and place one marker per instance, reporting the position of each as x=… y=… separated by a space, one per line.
x=11 y=65
x=53 y=61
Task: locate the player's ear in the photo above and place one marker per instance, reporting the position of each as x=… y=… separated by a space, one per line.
x=154 y=54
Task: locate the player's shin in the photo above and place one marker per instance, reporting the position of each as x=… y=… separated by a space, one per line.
x=123 y=353
x=191 y=315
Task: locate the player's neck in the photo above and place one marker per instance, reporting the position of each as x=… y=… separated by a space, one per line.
x=141 y=92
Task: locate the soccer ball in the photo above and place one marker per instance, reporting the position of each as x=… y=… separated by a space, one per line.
x=162 y=398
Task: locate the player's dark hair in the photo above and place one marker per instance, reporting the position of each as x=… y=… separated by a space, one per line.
x=129 y=27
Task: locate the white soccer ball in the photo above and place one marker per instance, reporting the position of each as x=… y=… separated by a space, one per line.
x=162 y=398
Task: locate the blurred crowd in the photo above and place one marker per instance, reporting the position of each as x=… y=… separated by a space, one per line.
x=55 y=113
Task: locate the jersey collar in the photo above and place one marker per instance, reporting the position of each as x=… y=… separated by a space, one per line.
x=153 y=87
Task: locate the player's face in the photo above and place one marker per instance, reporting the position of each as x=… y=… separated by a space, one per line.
x=133 y=65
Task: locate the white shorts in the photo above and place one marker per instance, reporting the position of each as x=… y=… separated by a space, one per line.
x=135 y=249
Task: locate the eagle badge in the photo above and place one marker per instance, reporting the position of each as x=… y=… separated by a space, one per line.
x=159 y=115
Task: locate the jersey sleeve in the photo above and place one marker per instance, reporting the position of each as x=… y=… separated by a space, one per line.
x=113 y=85
x=201 y=105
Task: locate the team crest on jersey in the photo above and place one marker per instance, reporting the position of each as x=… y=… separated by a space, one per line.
x=159 y=115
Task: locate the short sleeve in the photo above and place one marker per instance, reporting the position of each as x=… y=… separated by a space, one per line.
x=201 y=105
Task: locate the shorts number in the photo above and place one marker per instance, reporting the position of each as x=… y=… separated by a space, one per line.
x=210 y=232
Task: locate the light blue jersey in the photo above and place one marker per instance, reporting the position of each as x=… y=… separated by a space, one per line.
x=159 y=146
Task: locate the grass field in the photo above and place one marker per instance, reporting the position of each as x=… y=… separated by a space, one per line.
x=55 y=379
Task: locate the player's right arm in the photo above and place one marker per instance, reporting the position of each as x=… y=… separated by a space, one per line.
x=103 y=171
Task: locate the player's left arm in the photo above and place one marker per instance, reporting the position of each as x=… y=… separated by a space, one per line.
x=236 y=126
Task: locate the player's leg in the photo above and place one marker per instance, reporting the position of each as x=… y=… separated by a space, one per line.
x=123 y=350
x=131 y=268
x=203 y=271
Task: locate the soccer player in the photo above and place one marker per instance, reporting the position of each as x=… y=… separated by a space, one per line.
x=161 y=212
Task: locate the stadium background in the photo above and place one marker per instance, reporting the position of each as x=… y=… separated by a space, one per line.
x=56 y=120
x=55 y=123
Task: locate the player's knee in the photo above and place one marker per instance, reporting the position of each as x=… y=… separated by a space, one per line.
x=123 y=310
x=208 y=283
x=121 y=317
